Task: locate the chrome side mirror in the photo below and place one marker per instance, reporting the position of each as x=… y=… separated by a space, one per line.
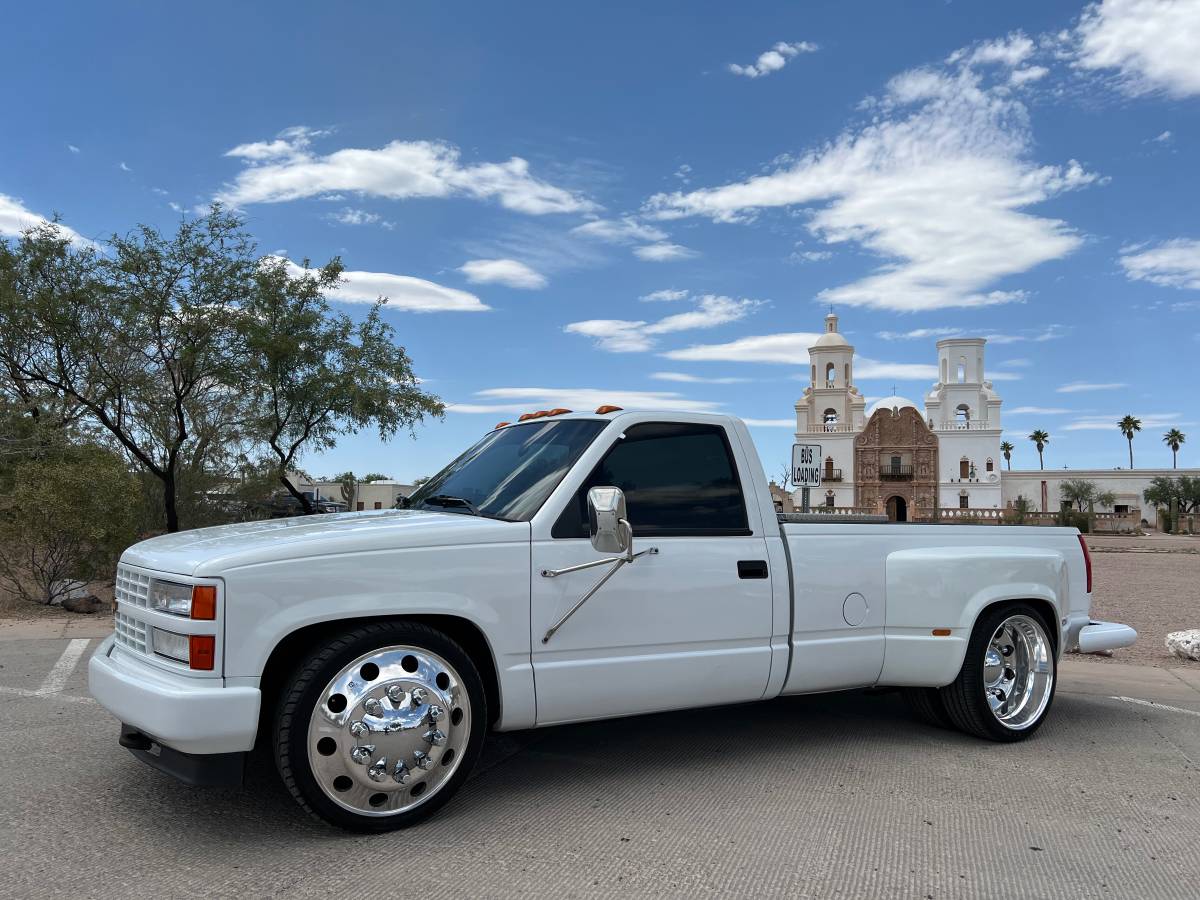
x=608 y=526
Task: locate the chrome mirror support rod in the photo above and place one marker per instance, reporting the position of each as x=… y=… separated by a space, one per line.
x=616 y=561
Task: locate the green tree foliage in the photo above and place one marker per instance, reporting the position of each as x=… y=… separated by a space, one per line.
x=1007 y=449
x=315 y=375
x=1185 y=490
x=141 y=340
x=1129 y=426
x=1083 y=493
x=69 y=515
x=194 y=358
x=1040 y=440
x=1174 y=439
x=374 y=476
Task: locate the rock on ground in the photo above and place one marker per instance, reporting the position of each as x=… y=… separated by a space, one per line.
x=1185 y=644
x=89 y=604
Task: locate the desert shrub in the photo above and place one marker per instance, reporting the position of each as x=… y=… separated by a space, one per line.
x=68 y=517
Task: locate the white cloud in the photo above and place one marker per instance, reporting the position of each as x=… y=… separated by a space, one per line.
x=807 y=256
x=869 y=368
x=402 y=292
x=774 y=59
x=287 y=169
x=666 y=295
x=938 y=183
x=1010 y=51
x=918 y=334
x=1109 y=422
x=517 y=399
x=790 y=349
x=1017 y=363
x=684 y=378
x=73 y=148
x=625 y=336
x=664 y=252
x=1028 y=75
x=508 y=272
x=770 y=423
x=175 y=206
x=1150 y=44
x=1174 y=263
x=1037 y=411
x=348 y=215
x=124 y=168
x=15 y=218
x=1078 y=387
x=1162 y=138
x=625 y=230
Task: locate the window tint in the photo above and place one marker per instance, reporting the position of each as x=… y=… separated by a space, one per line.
x=678 y=480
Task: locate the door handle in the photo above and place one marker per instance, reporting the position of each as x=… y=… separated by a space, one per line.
x=752 y=568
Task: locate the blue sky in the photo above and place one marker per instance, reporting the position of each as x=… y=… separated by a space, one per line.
x=655 y=204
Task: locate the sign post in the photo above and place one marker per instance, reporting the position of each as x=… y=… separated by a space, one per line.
x=806 y=470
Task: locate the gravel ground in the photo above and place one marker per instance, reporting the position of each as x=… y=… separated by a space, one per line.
x=1151 y=583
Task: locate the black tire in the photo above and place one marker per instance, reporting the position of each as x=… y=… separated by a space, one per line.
x=926 y=704
x=302 y=694
x=965 y=699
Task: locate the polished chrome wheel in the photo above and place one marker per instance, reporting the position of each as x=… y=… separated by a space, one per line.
x=389 y=730
x=1018 y=672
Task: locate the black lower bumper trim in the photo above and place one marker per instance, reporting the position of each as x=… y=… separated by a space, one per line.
x=196 y=769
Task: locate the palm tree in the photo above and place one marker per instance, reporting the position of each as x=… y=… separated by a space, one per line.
x=1130 y=426
x=1173 y=439
x=1041 y=439
x=1006 y=448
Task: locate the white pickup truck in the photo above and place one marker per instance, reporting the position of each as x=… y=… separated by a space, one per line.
x=566 y=567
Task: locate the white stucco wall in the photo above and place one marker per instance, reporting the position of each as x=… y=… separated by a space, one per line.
x=1127 y=484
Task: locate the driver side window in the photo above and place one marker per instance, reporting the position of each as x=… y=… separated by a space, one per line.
x=679 y=480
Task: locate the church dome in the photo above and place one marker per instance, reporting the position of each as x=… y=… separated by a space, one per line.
x=890 y=403
x=831 y=339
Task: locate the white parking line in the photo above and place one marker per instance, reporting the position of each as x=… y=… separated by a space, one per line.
x=57 y=679
x=1152 y=704
x=22 y=692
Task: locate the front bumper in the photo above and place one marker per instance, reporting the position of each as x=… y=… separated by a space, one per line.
x=188 y=714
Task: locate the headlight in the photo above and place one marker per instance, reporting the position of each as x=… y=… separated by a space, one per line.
x=169 y=597
x=171 y=645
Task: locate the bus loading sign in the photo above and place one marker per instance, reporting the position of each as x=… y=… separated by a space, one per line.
x=806 y=465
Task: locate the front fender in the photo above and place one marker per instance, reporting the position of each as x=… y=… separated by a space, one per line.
x=940 y=588
x=485 y=584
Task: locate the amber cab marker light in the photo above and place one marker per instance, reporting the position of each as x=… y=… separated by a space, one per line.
x=540 y=414
x=606 y=409
x=202 y=651
x=204 y=601
x=558 y=411
x=941 y=632
x=501 y=424
x=525 y=417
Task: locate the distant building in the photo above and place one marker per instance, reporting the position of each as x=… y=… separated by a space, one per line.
x=898 y=460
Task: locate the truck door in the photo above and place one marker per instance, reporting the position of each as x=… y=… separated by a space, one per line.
x=688 y=626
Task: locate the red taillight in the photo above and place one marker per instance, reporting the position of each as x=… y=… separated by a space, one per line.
x=202 y=651
x=1087 y=562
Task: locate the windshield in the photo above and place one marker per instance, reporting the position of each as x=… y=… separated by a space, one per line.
x=510 y=473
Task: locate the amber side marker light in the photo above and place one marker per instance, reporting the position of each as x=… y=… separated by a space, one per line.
x=202 y=651
x=605 y=410
x=941 y=632
x=501 y=424
x=204 y=601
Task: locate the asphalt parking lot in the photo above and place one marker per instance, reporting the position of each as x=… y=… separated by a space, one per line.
x=836 y=795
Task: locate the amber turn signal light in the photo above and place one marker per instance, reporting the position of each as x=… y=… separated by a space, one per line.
x=204 y=601
x=202 y=651
x=941 y=632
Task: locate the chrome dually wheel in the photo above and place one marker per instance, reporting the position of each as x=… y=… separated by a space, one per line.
x=1018 y=672
x=380 y=725
x=389 y=731
x=1006 y=684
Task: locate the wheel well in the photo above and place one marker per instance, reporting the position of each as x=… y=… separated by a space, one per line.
x=1043 y=608
x=288 y=652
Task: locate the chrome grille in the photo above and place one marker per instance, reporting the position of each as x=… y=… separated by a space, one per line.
x=132 y=587
x=130 y=632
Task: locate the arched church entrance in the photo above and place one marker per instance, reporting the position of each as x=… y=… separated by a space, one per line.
x=897 y=509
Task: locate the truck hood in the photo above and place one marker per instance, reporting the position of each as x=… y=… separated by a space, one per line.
x=211 y=551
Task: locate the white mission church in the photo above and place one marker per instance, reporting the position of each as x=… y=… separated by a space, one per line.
x=941 y=462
